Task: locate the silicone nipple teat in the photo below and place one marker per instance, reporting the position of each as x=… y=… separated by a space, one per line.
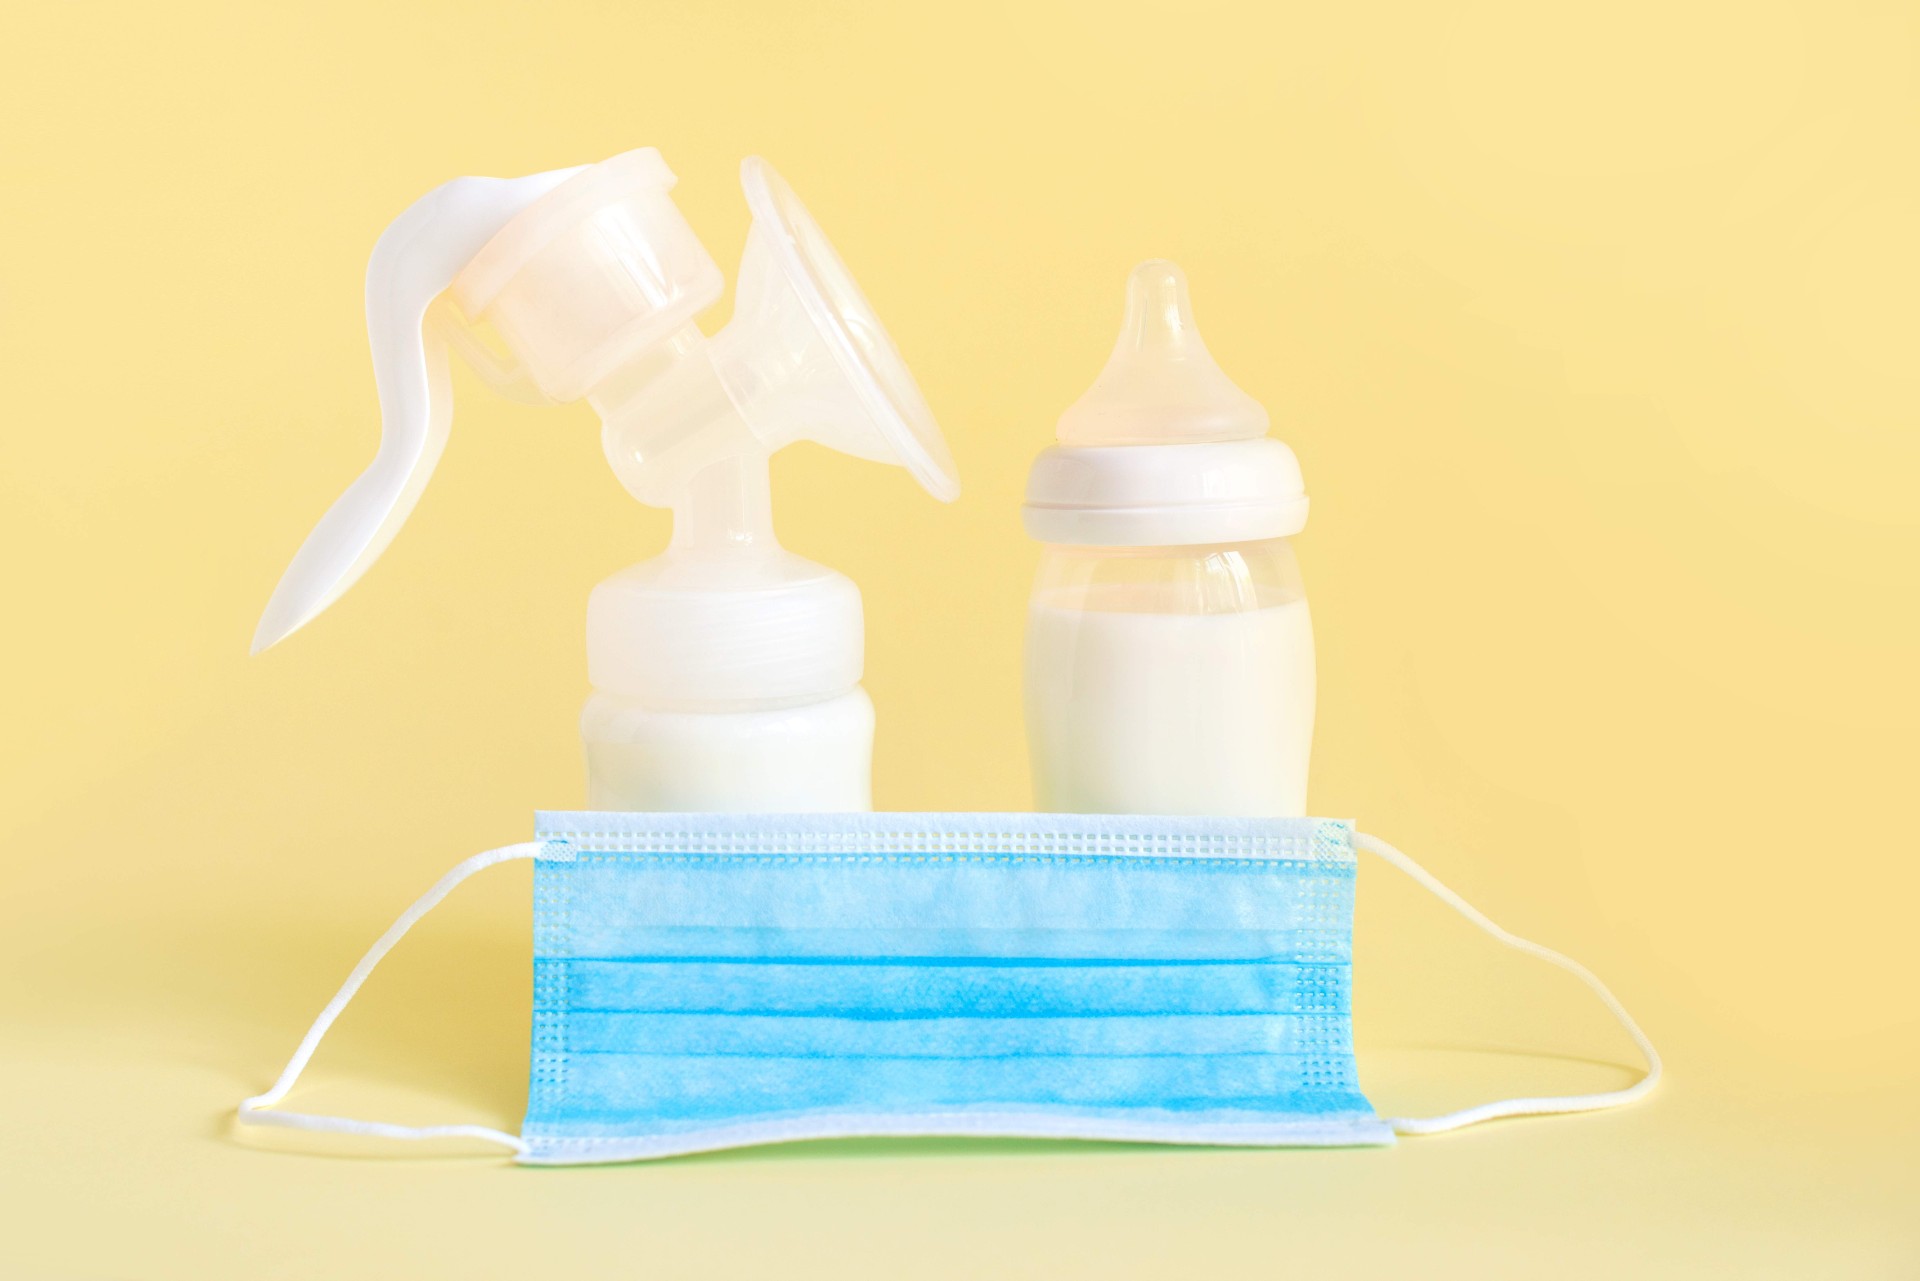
x=1160 y=385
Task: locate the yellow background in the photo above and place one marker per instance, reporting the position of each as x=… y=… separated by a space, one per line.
x=1594 y=327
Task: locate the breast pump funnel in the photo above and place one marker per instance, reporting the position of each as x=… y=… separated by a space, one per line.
x=803 y=358
x=591 y=278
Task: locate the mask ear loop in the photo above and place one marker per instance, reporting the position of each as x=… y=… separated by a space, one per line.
x=1519 y=1107
x=256 y=1110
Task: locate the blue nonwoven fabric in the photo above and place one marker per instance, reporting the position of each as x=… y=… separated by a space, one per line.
x=708 y=981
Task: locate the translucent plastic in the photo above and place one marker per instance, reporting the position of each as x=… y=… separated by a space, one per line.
x=413 y=262
x=1161 y=385
x=592 y=276
x=727 y=668
x=1164 y=449
x=1170 y=680
x=1169 y=647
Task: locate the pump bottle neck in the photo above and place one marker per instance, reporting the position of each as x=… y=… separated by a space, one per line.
x=676 y=439
x=726 y=507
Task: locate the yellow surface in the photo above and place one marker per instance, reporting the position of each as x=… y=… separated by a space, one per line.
x=1593 y=325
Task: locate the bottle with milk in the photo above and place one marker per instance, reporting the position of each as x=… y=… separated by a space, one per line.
x=1169 y=665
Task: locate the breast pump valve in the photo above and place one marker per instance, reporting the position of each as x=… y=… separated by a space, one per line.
x=726 y=671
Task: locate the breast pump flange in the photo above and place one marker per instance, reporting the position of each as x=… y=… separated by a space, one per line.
x=726 y=670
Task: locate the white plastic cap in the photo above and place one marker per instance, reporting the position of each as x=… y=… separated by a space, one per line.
x=1231 y=491
x=675 y=635
x=1163 y=449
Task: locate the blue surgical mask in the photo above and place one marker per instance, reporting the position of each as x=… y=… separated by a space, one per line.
x=707 y=981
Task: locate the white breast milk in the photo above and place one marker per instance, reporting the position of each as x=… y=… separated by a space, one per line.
x=813 y=757
x=1151 y=713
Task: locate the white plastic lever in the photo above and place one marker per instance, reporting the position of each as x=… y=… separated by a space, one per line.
x=414 y=261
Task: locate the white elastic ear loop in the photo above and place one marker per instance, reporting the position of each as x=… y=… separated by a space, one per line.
x=254 y=1111
x=1519 y=1107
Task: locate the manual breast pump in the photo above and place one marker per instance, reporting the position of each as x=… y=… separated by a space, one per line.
x=725 y=671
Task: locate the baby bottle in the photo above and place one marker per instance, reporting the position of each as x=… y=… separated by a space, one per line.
x=1169 y=664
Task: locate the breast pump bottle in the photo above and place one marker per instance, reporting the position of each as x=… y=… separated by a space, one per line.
x=725 y=671
x=1169 y=651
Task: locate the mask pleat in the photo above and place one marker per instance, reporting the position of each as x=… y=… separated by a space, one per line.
x=674 y=992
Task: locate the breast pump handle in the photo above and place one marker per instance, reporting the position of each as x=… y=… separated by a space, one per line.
x=412 y=264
